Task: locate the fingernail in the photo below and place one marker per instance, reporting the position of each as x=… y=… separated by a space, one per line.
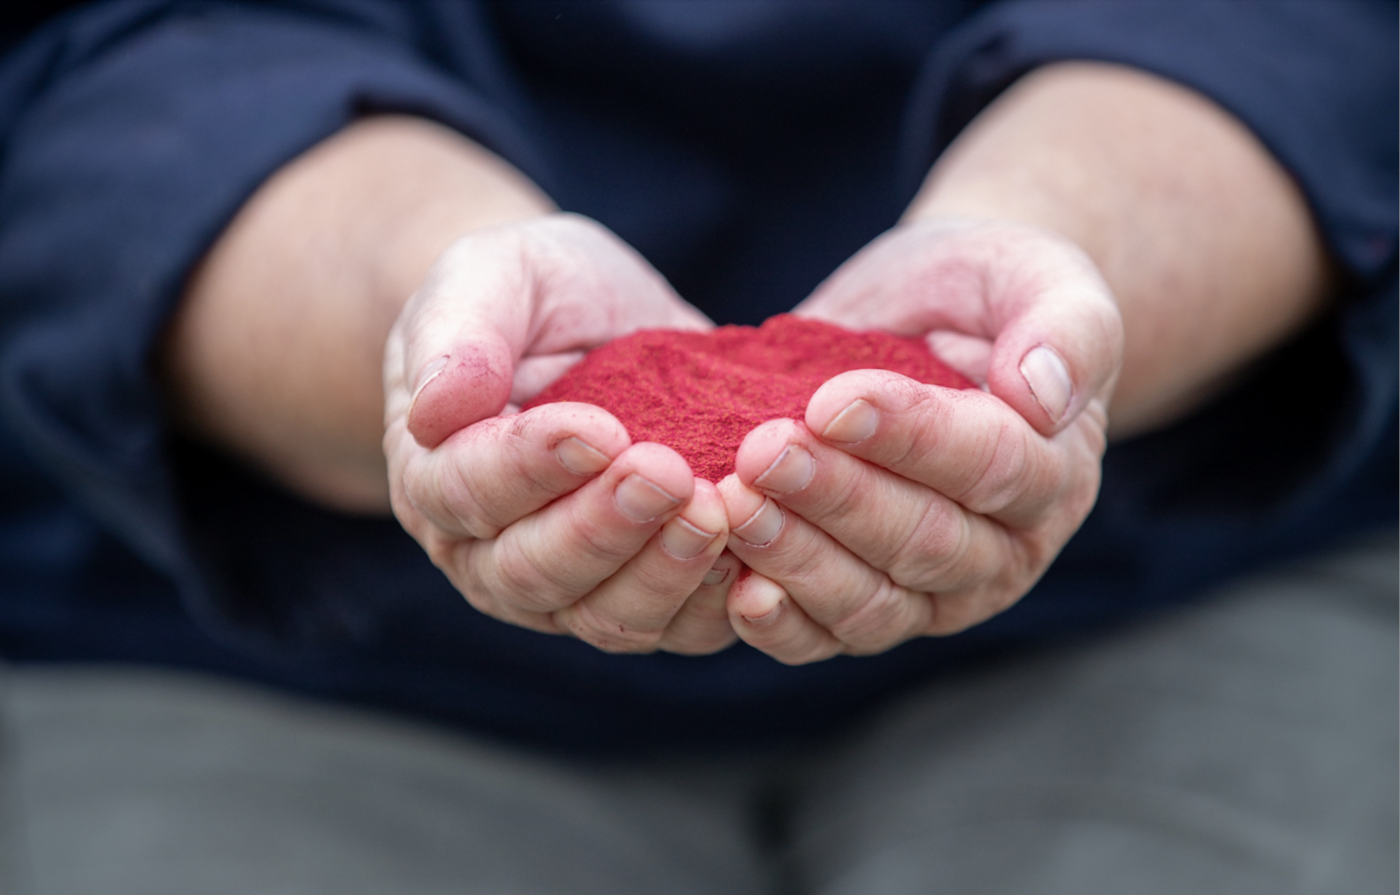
x=1048 y=378
x=429 y=373
x=766 y=619
x=856 y=423
x=580 y=457
x=641 y=500
x=685 y=541
x=715 y=576
x=763 y=526
x=790 y=472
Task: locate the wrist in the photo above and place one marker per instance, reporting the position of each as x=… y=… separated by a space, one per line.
x=276 y=350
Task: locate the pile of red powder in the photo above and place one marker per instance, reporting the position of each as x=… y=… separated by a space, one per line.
x=701 y=393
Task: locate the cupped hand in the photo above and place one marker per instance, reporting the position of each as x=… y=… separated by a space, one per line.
x=549 y=518
x=897 y=509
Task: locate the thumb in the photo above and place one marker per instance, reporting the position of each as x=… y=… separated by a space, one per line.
x=549 y=287
x=464 y=386
x=1060 y=346
x=463 y=333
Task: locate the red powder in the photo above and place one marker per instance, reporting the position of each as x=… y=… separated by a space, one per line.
x=701 y=393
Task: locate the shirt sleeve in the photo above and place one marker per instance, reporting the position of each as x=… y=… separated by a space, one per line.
x=132 y=133
x=1303 y=451
x=1315 y=82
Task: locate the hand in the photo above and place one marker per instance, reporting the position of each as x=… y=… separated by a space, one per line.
x=549 y=519
x=897 y=509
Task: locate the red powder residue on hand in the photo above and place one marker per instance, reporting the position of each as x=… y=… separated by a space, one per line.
x=701 y=393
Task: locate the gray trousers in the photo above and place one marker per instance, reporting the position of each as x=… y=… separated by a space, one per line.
x=1247 y=744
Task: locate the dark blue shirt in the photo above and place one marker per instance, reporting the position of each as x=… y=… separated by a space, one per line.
x=746 y=148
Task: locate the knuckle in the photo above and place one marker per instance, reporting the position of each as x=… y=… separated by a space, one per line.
x=1094 y=427
x=443 y=494
x=496 y=497
x=907 y=445
x=1000 y=470
x=464 y=567
x=952 y=615
x=649 y=573
x=608 y=635
x=841 y=502
x=591 y=537
x=878 y=622
x=518 y=441
x=520 y=578
x=409 y=516
x=803 y=558
x=871 y=516
x=472 y=514
x=957 y=612
x=903 y=393
x=1028 y=558
x=934 y=549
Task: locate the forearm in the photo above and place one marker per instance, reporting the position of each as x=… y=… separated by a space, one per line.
x=1206 y=242
x=276 y=352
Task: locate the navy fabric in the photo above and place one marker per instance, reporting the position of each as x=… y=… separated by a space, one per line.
x=746 y=148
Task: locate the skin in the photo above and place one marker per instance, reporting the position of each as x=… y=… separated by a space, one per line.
x=276 y=351
x=550 y=519
x=1142 y=255
x=1150 y=244
x=278 y=354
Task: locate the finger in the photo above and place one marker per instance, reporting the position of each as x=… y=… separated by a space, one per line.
x=533 y=374
x=702 y=625
x=857 y=604
x=1055 y=331
x=631 y=610
x=1059 y=344
x=463 y=332
x=919 y=538
x=969 y=355
x=967 y=445
x=766 y=618
x=493 y=473
x=552 y=286
x=554 y=556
